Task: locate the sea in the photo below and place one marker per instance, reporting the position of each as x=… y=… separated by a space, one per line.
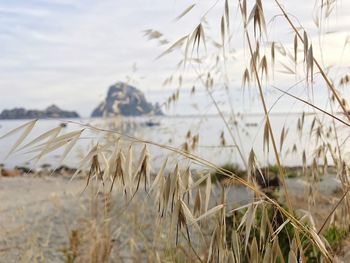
x=217 y=139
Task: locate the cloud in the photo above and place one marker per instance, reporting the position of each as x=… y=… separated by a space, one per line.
x=31 y=12
x=69 y=52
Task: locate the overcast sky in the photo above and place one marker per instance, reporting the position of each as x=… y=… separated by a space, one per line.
x=68 y=52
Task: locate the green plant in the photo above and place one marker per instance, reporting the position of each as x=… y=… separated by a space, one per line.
x=334 y=236
x=235 y=169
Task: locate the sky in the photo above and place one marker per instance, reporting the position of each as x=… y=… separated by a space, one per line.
x=68 y=52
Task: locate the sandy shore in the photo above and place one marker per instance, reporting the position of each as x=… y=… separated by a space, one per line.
x=37 y=214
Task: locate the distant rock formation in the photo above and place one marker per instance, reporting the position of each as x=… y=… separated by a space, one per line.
x=50 y=112
x=123 y=99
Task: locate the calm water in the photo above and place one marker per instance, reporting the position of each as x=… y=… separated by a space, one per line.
x=248 y=132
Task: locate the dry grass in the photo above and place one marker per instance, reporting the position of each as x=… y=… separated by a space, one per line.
x=173 y=215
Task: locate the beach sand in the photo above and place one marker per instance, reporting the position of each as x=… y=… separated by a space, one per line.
x=36 y=215
x=39 y=213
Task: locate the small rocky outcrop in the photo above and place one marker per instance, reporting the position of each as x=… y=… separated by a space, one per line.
x=123 y=99
x=50 y=112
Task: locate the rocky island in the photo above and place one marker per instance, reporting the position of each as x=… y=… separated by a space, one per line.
x=123 y=99
x=50 y=112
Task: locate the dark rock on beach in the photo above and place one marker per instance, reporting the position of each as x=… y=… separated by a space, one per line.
x=265 y=181
x=63 y=169
x=24 y=170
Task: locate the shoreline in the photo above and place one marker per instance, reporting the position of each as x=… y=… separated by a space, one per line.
x=290 y=171
x=212 y=115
